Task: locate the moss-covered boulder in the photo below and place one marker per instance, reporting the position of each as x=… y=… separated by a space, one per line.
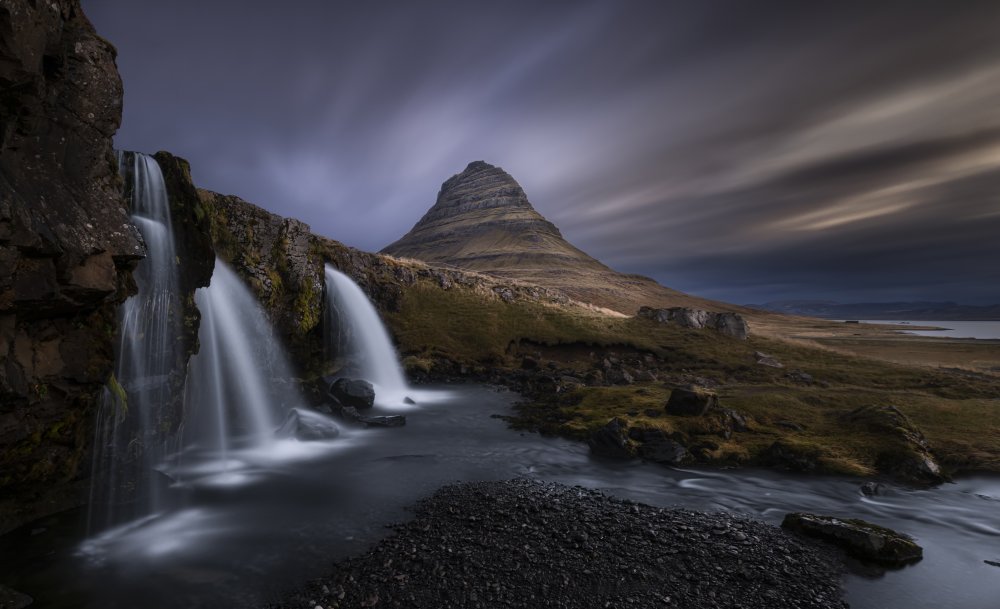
x=691 y=401
x=863 y=540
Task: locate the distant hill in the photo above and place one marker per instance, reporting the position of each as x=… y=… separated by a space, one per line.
x=915 y=311
x=482 y=221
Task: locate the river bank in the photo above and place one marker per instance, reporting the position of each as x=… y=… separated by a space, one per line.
x=523 y=543
x=254 y=535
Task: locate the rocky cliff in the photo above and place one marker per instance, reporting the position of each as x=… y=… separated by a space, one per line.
x=66 y=247
x=482 y=221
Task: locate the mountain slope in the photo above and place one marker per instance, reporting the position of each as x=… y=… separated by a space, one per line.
x=482 y=220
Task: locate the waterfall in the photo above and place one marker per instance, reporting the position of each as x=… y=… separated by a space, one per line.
x=235 y=393
x=369 y=343
x=139 y=412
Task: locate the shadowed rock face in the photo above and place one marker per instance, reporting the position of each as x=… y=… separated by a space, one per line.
x=67 y=248
x=483 y=220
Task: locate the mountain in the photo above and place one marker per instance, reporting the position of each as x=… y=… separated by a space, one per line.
x=482 y=221
x=911 y=311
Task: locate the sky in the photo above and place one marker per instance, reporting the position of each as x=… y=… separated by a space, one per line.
x=744 y=151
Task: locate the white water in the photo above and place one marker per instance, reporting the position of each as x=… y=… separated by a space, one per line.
x=238 y=387
x=370 y=344
x=132 y=435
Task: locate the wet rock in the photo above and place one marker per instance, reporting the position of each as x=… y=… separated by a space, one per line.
x=12 y=599
x=871 y=489
x=691 y=401
x=307 y=426
x=861 y=539
x=351 y=415
x=356 y=393
x=992 y=563
x=657 y=447
x=612 y=440
x=409 y=400
x=395 y=420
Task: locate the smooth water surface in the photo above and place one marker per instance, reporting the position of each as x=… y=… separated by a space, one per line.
x=282 y=514
x=950 y=329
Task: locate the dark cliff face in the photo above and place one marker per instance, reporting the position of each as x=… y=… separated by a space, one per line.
x=66 y=248
x=482 y=220
x=274 y=257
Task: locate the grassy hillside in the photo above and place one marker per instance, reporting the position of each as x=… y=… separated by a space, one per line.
x=806 y=406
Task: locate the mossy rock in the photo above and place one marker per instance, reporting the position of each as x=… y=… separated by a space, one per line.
x=861 y=539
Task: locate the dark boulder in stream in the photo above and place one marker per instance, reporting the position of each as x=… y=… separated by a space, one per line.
x=307 y=425
x=355 y=393
x=863 y=540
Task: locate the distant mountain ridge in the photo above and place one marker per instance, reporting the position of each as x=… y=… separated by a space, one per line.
x=910 y=311
x=482 y=221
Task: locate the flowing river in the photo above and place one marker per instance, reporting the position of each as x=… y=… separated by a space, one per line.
x=273 y=518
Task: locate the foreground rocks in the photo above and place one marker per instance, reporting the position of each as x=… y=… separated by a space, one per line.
x=861 y=539
x=521 y=543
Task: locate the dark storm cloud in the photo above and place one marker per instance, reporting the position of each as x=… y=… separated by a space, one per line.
x=747 y=151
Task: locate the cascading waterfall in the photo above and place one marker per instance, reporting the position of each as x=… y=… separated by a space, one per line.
x=235 y=392
x=369 y=341
x=136 y=415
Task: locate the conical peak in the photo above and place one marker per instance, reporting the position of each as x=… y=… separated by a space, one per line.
x=480 y=186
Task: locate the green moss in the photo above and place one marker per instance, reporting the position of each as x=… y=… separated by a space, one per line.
x=307 y=306
x=119 y=396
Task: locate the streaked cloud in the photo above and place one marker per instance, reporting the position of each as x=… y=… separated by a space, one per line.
x=746 y=151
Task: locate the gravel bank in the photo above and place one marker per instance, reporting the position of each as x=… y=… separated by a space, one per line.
x=521 y=543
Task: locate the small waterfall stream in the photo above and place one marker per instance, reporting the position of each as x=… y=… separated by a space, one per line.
x=236 y=393
x=135 y=420
x=369 y=341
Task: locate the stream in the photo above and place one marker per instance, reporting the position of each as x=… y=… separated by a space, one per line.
x=243 y=527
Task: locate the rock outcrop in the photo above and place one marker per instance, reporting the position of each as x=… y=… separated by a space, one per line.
x=66 y=248
x=691 y=401
x=725 y=323
x=905 y=453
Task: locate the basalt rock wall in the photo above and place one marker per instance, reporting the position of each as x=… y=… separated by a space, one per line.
x=66 y=249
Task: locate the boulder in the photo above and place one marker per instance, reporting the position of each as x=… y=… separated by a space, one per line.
x=863 y=540
x=353 y=392
x=395 y=420
x=732 y=325
x=727 y=324
x=307 y=426
x=351 y=415
x=692 y=401
x=905 y=453
x=612 y=440
x=657 y=447
x=871 y=489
